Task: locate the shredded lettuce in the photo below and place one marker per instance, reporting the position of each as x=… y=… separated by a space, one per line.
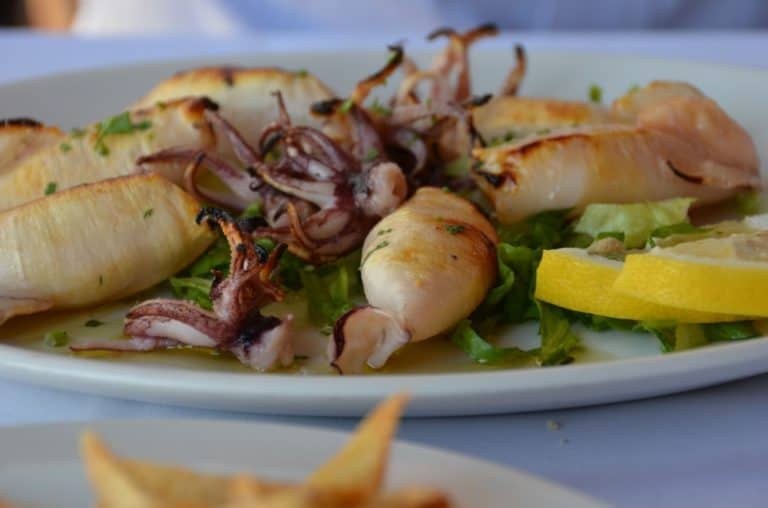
x=194 y=289
x=510 y=301
x=736 y=330
x=482 y=351
x=216 y=258
x=678 y=337
x=637 y=221
x=545 y=230
x=601 y=323
x=332 y=289
x=558 y=341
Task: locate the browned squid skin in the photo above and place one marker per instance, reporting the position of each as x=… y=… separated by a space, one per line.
x=88 y=156
x=318 y=198
x=22 y=137
x=669 y=140
x=234 y=325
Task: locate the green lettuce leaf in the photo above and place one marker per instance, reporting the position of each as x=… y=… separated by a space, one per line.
x=545 y=230
x=194 y=289
x=679 y=337
x=332 y=289
x=558 y=341
x=482 y=351
x=635 y=220
x=510 y=301
x=216 y=258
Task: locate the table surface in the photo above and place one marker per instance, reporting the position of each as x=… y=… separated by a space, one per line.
x=702 y=448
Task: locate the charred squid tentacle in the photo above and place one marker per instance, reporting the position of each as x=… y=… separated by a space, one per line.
x=234 y=325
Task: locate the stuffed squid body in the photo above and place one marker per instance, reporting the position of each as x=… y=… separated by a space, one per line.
x=424 y=267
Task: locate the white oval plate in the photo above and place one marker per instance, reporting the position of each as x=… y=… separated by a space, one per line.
x=39 y=464
x=622 y=366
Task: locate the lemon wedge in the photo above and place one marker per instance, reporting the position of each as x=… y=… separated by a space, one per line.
x=728 y=275
x=576 y=280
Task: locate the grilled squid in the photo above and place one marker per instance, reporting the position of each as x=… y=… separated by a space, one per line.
x=104 y=150
x=511 y=118
x=95 y=243
x=234 y=325
x=20 y=138
x=668 y=140
x=424 y=268
x=244 y=96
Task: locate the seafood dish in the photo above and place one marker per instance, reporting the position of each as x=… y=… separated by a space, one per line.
x=255 y=214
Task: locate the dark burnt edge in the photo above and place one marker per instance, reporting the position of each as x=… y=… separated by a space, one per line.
x=691 y=179
x=204 y=104
x=216 y=214
x=488 y=28
x=494 y=180
x=326 y=107
x=266 y=147
x=443 y=31
x=339 y=341
x=164 y=155
x=477 y=100
x=251 y=330
x=20 y=122
x=520 y=52
x=392 y=63
x=251 y=224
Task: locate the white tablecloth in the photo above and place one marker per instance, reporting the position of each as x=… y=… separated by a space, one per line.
x=704 y=448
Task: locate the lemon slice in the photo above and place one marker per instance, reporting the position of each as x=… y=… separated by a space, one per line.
x=576 y=280
x=727 y=275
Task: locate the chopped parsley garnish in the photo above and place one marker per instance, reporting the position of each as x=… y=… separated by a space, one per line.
x=56 y=339
x=77 y=132
x=118 y=124
x=379 y=246
x=161 y=105
x=148 y=212
x=102 y=149
x=371 y=155
x=384 y=231
x=65 y=147
x=301 y=73
x=50 y=188
x=454 y=229
x=93 y=323
x=346 y=106
x=595 y=93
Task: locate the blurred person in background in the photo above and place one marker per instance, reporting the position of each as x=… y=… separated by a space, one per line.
x=227 y=17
